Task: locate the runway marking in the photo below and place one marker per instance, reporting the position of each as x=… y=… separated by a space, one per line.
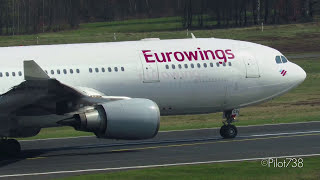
x=275 y=134
x=199 y=143
x=216 y=142
x=155 y=166
x=199 y=129
x=34 y=158
x=257 y=125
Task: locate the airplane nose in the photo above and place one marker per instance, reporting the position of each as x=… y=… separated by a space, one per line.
x=300 y=75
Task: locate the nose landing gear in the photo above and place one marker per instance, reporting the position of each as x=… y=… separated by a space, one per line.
x=228 y=130
x=9 y=147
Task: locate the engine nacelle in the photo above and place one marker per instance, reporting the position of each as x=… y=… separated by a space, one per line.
x=123 y=119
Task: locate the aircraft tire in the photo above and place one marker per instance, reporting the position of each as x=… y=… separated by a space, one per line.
x=228 y=131
x=10 y=148
x=14 y=147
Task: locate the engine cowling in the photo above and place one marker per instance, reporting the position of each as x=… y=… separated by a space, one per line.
x=123 y=119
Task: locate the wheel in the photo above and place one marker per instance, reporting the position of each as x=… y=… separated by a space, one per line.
x=222 y=130
x=10 y=147
x=2 y=150
x=228 y=131
x=14 y=147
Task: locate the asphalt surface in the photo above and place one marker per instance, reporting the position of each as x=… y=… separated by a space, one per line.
x=53 y=158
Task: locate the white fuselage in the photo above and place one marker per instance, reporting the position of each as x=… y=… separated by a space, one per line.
x=248 y=73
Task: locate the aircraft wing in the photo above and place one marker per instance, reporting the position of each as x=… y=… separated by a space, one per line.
x=41 y=95
x=41 y=101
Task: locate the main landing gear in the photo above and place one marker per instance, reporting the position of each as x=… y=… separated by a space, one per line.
x=228 y=130
x=9 y=147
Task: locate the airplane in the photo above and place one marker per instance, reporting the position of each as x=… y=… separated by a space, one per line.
x=118 y=90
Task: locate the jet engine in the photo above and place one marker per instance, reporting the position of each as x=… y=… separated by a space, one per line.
x=123 y=119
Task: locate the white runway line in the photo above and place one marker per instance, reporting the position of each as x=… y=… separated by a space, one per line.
x=277 y=134
x=154 y=166
x=48 y=139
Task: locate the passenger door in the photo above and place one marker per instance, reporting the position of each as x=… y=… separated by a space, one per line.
x=252 y=68
x=150 y=71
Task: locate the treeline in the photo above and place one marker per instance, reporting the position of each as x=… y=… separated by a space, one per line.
x=226 y=13
x=34 y=16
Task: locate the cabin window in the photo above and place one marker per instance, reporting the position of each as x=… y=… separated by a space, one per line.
x=116 y=69
x=1 y=74
x=122 y=68
x=7 y=74
x=20 y=73
x=78 y=71
x=218 y=64
x=180 y=67
x=71 y=71
x=52 y=72
x=173 y=66
x=58 y=71
x=90 y=70
x=278 y=60
x=186 y=66
x=97 y=70
x=109 y=69
x=205 y=65
x=167 y=66
x=224 y=64
x=199 y=65
x=284 y=59
x=103 y=70
x=192 y=65
x=230 y=64
x=64 y=71
x=13 y=74
x=211 y=64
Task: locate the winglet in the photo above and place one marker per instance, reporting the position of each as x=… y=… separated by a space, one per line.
x=32 y=71
x=193 y=37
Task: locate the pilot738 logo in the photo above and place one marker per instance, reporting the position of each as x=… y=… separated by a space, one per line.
x=283 y=72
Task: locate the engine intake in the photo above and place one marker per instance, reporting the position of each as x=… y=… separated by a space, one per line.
x=123 y=119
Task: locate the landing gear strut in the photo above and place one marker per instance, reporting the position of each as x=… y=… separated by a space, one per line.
x=228 y=130
x=9 y=147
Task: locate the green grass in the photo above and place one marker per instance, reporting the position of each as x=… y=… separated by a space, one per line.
x=287 y=38
x=236 y=170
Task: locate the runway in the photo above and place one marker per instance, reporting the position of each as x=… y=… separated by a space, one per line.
x=52 y=158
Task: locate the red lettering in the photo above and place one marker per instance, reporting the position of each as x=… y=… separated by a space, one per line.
x=176 y=56
x=168 y=56
x=146 y=56
x=206 y=54
x=191 y=55
x=228 y=51
x=223 y=55
x=160 y=60
x=201 y=54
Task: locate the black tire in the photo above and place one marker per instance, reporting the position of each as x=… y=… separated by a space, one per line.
x=13 y=147
x=223 y=131
x=2 y=148
x=231 y=131
x=228 y=131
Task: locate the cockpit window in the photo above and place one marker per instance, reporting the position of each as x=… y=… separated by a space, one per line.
x=284 y=59
x=278 y=60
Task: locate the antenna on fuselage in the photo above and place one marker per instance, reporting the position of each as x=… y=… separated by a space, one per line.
x=193 y=37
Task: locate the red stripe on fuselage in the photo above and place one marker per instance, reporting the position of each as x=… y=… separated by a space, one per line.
x=284 y=73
